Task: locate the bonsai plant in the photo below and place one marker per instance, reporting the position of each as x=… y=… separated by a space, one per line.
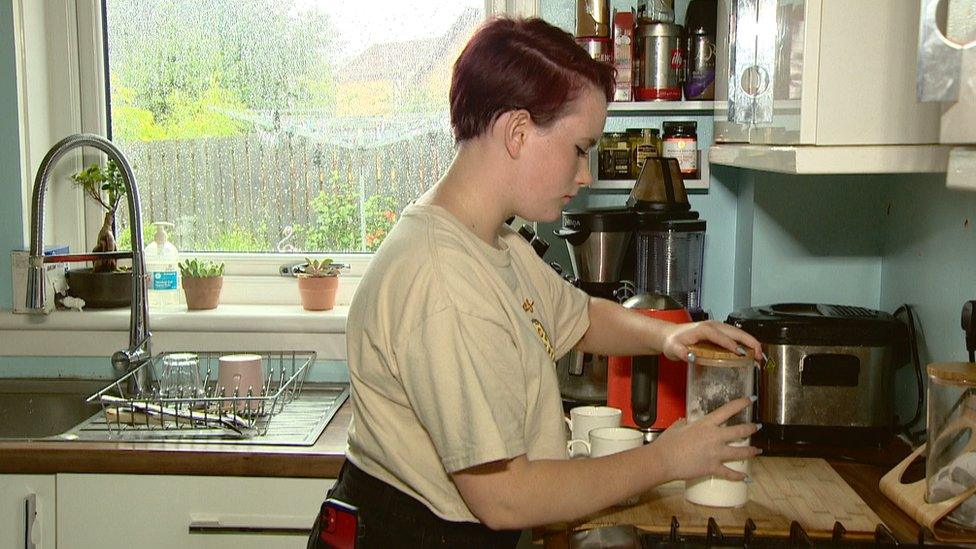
x=318 y=281
x=202 y=281
x=105 y=284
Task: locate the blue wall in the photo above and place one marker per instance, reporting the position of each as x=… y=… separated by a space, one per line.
x=11 y=217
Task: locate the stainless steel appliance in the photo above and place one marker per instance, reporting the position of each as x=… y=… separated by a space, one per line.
x=598 y=240
x=654 y=244
x=828 y=376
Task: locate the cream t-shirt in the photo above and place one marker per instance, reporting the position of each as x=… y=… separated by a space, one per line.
x=451 y=347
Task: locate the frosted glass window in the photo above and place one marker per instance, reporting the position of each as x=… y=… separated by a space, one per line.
x=282 y=125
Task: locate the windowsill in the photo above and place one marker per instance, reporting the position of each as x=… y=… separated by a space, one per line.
x=225 y=318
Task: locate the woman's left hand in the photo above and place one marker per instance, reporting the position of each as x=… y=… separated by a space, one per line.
x=682 y=335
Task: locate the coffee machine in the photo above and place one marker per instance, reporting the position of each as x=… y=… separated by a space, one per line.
x=652 y=245
x=598 y=240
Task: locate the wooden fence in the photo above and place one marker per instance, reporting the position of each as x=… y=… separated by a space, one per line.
x=260 y=185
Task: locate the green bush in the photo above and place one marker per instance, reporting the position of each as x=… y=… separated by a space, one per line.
x=337 y=221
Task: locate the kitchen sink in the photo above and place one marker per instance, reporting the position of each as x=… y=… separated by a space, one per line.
x=37 y=408
x=299 y=423
x=55 y=410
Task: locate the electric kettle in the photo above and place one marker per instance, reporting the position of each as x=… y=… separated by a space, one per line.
x=650 y=390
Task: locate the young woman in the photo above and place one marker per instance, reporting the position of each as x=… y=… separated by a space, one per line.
x=457 y=437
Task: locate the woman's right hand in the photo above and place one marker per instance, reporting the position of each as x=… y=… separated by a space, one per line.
x=690 y=450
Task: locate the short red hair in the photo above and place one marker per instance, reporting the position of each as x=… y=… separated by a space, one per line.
x=514 y=64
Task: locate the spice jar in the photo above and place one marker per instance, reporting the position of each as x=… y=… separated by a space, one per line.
x=681 y=142
x=950 y=463
x=614 y=156
x=716 y=377
x=647 y=145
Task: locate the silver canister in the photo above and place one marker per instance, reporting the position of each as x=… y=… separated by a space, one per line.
x=700 y=78
x=661 y=52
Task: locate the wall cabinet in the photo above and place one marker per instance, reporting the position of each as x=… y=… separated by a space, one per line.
x=824 y=73
x=820 y=72
x=27 y=512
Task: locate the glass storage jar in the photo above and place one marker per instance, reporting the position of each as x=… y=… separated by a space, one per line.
x=614 y=156
x=950 y=463
x=716 y=377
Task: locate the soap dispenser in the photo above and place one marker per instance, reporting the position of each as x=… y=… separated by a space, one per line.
x=162 y=264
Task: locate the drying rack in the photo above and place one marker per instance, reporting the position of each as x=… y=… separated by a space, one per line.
x=232 y=411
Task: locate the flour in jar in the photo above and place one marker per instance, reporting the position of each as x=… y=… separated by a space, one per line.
x=709 y=388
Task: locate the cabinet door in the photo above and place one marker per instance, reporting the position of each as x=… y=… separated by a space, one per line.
x=759 y=70
x=27 y=512
x=188 y=512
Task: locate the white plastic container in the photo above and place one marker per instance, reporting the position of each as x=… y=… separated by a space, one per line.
x=162 y=264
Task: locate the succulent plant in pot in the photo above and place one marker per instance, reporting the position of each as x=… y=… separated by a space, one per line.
x=318 y=281
x=202 y=281
x=104 y=285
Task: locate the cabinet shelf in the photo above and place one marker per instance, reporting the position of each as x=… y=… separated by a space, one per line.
x=628 y=184
x=638 y=108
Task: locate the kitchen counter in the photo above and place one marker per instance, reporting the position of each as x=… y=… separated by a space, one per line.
x=862 y=471
x=321 y=460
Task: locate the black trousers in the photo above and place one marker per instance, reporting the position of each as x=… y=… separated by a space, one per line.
x=392 y=518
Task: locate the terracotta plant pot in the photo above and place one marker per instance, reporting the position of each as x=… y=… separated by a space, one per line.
x=318 y=292
x=202 y=293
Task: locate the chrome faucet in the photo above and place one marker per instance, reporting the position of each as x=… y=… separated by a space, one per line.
x=138 y=351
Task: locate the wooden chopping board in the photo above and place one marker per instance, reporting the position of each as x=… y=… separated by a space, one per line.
x=784 y=489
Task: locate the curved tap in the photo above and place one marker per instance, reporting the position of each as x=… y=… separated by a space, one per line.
x=139 y=335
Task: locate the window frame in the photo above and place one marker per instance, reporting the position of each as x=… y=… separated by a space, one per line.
x=80 y=55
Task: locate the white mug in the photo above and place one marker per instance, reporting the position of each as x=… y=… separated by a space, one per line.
x=610 y=440
x=584 y=419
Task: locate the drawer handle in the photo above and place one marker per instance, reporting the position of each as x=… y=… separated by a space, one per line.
x=278 y=525
x=31 y=526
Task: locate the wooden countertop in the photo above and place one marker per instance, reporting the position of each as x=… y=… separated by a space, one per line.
x=321 y=460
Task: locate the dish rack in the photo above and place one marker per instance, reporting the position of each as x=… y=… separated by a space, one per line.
x=216 y=410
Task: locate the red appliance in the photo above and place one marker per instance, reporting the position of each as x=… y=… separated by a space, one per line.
x=650 y=390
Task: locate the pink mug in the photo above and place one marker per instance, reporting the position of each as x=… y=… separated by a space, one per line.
x=241 y=373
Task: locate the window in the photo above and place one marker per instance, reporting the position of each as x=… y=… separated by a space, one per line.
x=282 y=125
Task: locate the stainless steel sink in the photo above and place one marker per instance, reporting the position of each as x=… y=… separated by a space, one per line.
x=55 y=410
x=299 y=423
x=38 y=408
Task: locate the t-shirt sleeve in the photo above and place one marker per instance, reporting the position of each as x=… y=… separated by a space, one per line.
x=465 y=382
x=570 y=306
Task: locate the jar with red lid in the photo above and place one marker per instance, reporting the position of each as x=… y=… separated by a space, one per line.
x=681 y=142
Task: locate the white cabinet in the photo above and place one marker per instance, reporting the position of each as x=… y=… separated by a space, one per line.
x=820 y=72
x=149 y=511
x=27 y=511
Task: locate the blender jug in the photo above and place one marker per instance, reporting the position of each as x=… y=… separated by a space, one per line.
x=669 y=236
x=669 y=261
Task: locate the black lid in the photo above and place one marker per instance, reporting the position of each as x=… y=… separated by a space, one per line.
x=578 y=224
x=816 y=324
x=680 y=126
x=700 y=17
x=669 y=221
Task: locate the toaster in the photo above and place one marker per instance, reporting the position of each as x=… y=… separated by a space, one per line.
x=829 y=371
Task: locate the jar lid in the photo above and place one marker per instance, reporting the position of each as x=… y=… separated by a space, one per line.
x=960 y=373
x=710 y=354
x=680 y=126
